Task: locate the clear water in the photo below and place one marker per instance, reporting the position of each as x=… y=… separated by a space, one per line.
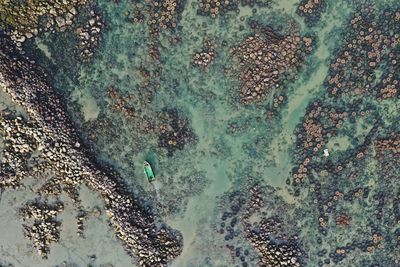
x=220 y=161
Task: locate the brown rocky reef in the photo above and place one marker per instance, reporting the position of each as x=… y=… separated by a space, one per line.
x=265 y=59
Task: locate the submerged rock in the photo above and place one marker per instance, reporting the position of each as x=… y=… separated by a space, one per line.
x=145 y=238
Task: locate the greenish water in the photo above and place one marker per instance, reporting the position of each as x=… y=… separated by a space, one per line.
x=219 y=161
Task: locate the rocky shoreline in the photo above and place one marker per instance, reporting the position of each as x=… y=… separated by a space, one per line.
x=138 y=228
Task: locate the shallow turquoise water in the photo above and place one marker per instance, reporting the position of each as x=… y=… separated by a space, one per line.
x=219 y=161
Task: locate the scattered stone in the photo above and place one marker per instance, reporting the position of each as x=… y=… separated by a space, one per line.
x=96 y=212
x=89 y=35
x=206 y=56
x=44 y=229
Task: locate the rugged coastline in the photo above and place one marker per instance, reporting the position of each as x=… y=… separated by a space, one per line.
x=144 y=238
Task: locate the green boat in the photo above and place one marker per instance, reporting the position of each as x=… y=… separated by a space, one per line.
x=148 y=171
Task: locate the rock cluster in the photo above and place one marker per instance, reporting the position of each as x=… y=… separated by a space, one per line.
x=248 y=223
x=279 y=100
x=206 y=56
x=311 y=10
x=23 y=18
x=143 y=236
x=370 y=45
x=320 y=124
x=72 y=190
x=389 y=87
x=213 y=8
x=388 y=154
x=343 y=220
x=45 y=229
x=169 y=126
x=265 y=59
x=267 y=236
x=160 y=14
x=390 y=145
x=81 y=218
x=131 y=105
x=120 y=103
x=353 y=99
x=89 y=35
x=279 y=254
x=174 y=131
x=18 y=146
x=51 y=188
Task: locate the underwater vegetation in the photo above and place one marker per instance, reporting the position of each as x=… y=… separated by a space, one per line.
x=271 y=127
